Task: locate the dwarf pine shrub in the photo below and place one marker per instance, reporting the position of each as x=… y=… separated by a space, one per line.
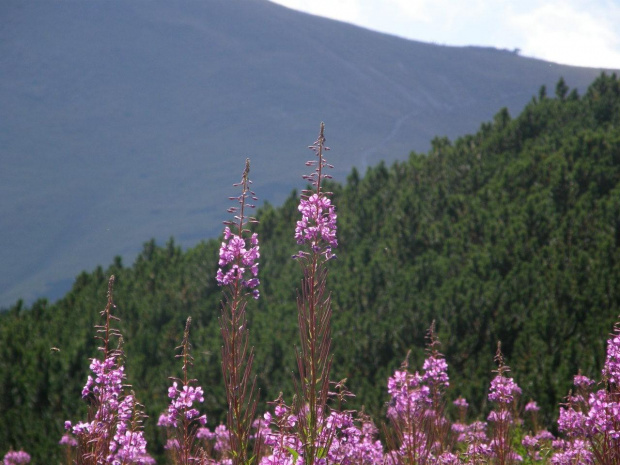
x=314 y=427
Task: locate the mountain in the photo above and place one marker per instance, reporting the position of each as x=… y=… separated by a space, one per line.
x=511 y=233
x=123 y=121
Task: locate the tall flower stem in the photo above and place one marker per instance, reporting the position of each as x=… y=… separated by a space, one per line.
x=317 y=229
x=113 y=433
x=237 y=355
x=181 y=417
x=503 y=392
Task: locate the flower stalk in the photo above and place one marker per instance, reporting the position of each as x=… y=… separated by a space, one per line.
x=113 y=433
x=238 y=274
x=316 y=229
x=181 y=417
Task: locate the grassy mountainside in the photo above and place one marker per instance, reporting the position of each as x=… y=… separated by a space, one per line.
x=121 y=119
x=511 y=234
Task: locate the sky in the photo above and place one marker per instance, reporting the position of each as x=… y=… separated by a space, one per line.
x=572 y=32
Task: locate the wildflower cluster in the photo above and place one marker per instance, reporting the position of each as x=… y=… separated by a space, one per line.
x=342 y=439
x=68 y=440
x=233 y=252
x=238 y=252
x=181 y=418
x=503 y=389
x=504 y=392
x=318 y=229
x=317 y=226
x=591 y=420
x=112 y=434
x=318 y=222
x=416 y=410
x=16 y=457
x=181 y=406
x=237 y=355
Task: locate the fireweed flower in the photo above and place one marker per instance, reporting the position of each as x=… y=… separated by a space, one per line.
x=238 y=272
x=503 y=389
x=114 y=434
x=604 y=415
x=68 y=440
x=318 y=222
x=116 y=413
x=611 y=369
x=316 y=230
x=461 y=402
x=416 y=410
x=436 y=371
x=16 y=457
x=239 y=251
x=571 y=422
x=317 y=226
x=582 y=381
x=575 y=452
x=181 y=418
x=532 y=406
x=127 y=445
x=181 y=406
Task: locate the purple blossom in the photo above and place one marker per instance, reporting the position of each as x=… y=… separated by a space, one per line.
x=503 y=389
x=604 y=415
x=68 y=440
x=409 y=396
x=513 y=457
x=461 y=402
x=544 y=435
x=582 y=381
x=571 y=422
x=106 y=386
x=475 y=450
x=222 y=439
x=458 y=428
x=205 y=433
x=318 y=222
x=128 y=445
x=181 y=406
x=436 y=371
x=529 y=441
x=317 y=226
x=171 y=444
x=16 y=457
x=239 y=253
x=576 y=452
x=448 y=458
x=611 y=369
x=532 y=406
x=242 y=257
x=473 y=433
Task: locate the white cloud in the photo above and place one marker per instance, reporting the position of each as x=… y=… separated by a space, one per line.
x=571 y=34
x=414 y=10
x=342 y=10
x=442 y=13
x=576 y=32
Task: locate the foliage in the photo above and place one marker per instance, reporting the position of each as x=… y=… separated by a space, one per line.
x=511 y=234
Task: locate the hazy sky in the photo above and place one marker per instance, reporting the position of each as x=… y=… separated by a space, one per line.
x=574 y=32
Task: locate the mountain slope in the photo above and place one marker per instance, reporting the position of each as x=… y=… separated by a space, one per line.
x=123 y=120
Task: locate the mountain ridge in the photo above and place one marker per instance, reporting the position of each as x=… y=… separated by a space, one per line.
x=124 y=121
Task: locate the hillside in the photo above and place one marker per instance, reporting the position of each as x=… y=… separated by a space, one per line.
x=120 y=120
x=511 y=234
